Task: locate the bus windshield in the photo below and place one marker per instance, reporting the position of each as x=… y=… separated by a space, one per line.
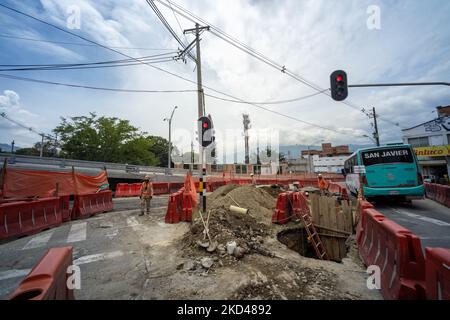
x=384 y=156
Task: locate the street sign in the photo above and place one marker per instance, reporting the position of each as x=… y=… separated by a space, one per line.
x=359 y=169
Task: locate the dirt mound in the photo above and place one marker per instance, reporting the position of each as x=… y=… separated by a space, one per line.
x=259 y=202
x=224 y=227
x=273 y=190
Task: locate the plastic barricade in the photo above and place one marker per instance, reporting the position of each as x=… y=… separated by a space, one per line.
x=437 y=273
x=398 y=254
x=122 y=190
x=65 y=208
x=25 y=218
x=86 y=205
x=362 y=207
x=48 y=279
x=282 y=212
x=160 y=188
x=175 y=186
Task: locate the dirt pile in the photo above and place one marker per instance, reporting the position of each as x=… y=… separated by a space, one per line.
x=233 y=234
x=273 y=190
x=259 y=202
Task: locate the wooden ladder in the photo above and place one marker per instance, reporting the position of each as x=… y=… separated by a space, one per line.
x=313 y=236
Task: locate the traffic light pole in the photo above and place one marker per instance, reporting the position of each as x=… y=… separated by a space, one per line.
x=405 y=84
x=201 y=112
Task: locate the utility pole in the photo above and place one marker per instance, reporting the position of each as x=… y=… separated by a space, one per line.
x=42 y=146
x=201 y=109
x=375 y=134
x=12 y=146
x=169 y=156
x=192 y=156
x=246 y=122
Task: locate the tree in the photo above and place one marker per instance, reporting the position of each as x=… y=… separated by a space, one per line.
x=106 y=139
x=160 y=148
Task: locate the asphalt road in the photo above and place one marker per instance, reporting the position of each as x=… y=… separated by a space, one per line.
x=105 y=247
x=426 y=218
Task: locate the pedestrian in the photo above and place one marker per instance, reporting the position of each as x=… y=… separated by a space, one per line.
x=146 y=195
x=322 y=183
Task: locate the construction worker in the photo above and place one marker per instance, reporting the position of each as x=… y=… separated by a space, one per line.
x=322 y=183
x=146 y=195
x=253 y=179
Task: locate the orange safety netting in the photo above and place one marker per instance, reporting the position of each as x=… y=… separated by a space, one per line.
x=189 y=188
x=29 y=183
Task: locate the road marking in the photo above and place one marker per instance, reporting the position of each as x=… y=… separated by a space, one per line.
x=426 y=219
x=97 y=257
x=38 y=241
x=77 y=232
x=13 y=273
x=132 y=222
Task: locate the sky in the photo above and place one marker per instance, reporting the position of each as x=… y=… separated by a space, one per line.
x=408 y=41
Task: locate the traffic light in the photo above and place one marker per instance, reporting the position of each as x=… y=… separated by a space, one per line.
x=207 y=131
x=338 y=82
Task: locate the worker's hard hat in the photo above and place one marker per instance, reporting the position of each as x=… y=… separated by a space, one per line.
x=320 y=174
x=147 y=177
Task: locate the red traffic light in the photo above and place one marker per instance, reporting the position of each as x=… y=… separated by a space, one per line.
x=205 y=125
x=339 y=78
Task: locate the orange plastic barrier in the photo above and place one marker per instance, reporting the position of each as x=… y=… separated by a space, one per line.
x=438 y=192
x=282 y=212
x=175 y=186
x=160 y=188
x=175 y=212
x=48 y=279
x=398 y=253
x=26 y=218
x=437 y=273
x=90 y=204
x=65 y=208
x=364 y=205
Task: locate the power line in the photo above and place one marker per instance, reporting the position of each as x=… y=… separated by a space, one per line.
x=7 y=76
x=78 y=44
x=243 y=47
x=268 y=102
x=5 y=116
x=152 y=66
x=168 y=27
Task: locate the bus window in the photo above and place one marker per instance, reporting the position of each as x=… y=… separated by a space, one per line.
x=383 y=156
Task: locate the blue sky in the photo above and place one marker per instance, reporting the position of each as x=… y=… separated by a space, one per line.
x=312 y=38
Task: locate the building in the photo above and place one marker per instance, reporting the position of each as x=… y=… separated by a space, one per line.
x=333 y=164
x=327 y=160
x=300 y=165
x=431 y=142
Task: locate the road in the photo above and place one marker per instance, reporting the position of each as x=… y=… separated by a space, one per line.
x=106 y=247
x=426 y=218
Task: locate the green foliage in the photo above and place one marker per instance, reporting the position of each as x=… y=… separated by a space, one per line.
x=109 y=140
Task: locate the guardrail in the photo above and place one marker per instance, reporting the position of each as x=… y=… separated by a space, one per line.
x=68 y=163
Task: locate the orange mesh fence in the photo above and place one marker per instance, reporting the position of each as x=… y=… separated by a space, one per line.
x=29 y=183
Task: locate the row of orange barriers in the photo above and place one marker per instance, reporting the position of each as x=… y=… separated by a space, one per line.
x=438 y=192
x=133 y=189
x=405 y=272
x=179 y=207
x=26 y=217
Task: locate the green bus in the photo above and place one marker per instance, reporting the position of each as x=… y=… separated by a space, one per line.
x=386 y=171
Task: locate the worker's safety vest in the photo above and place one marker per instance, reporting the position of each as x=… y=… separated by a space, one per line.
x=147 y=189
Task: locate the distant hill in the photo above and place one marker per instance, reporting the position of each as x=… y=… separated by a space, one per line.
x=295 y=150
x=4 y=147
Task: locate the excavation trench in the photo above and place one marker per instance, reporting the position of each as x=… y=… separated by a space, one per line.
x=297 y=240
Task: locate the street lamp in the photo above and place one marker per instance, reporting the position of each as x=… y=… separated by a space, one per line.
x=170 y=137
